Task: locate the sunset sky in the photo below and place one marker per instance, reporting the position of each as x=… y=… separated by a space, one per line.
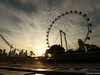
x=24 y=23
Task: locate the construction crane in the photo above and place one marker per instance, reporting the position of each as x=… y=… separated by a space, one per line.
x=10 y=45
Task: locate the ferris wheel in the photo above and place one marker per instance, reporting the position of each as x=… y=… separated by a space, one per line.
x=74 y=24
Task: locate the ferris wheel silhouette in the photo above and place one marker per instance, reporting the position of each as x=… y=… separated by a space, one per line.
x=59 y=24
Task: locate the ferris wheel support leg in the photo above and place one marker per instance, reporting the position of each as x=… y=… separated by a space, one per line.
x=65 y=41
x=61 y=37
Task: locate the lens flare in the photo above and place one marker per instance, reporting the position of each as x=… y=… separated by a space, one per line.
x=41 y=50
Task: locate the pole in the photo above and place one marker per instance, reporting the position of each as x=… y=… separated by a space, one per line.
x=61 y=37
x=61 y=32
x=65 y=41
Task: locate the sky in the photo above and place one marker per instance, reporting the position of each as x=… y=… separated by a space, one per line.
x=24 y=23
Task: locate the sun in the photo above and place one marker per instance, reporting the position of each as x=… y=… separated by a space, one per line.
x=41 y=50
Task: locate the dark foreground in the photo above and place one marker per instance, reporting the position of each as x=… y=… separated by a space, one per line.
x=37 y=68
x=30 y=71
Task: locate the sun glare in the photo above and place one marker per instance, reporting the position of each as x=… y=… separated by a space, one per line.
x=41 y=50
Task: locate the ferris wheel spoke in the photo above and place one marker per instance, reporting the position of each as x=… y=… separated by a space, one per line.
x=56 y=38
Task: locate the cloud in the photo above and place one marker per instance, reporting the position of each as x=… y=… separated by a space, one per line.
x=21 y=6
x=24 y=23
x=21 y=29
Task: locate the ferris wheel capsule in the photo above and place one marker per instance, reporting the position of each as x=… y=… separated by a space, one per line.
x=90 y=31
x=62 y=14
x=80 y=12
x=75 y=11
x=46 y=35
x=88 y=19
x=48 y=28
x=47 y=31
x=84 y=15
x=58 y=16
x=51 y=25
x=90 y=24
x=47 y=43
x=66 y=12
x=48 y=46
x=88 y=38
x=71 y=11
x=53 y=22
x=55 y=19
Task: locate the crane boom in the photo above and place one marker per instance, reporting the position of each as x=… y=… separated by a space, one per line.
x=6 y=42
